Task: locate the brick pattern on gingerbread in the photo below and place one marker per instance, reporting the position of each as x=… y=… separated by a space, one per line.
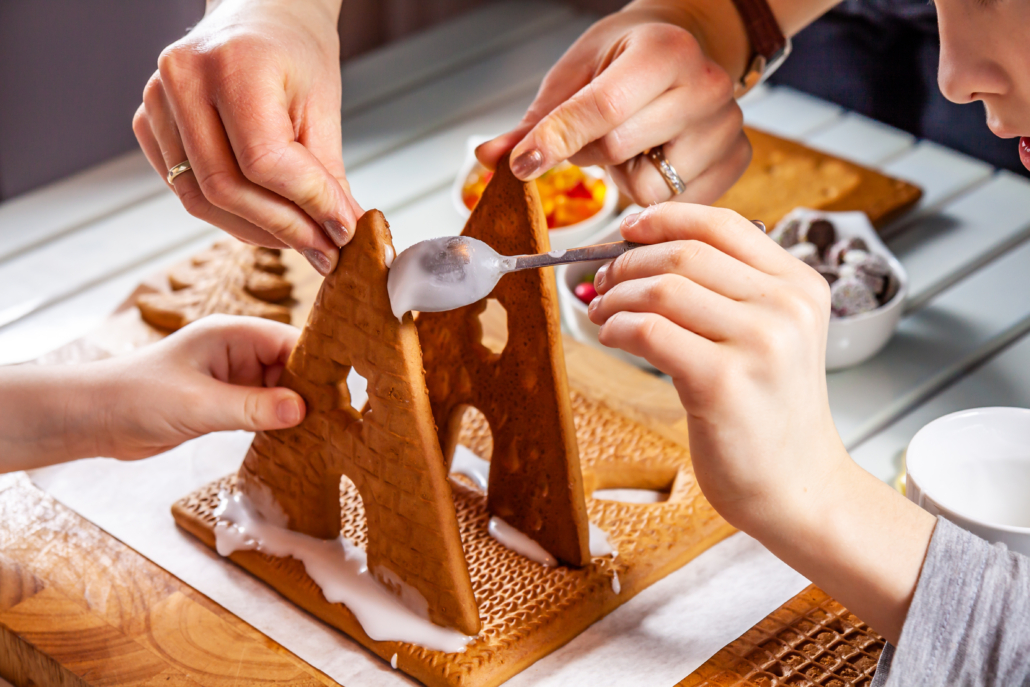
x=390 y=451
x=809 y=641
x=535 y=479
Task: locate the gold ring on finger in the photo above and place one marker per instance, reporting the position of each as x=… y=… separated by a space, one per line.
x=178 y=169
x=668 y=172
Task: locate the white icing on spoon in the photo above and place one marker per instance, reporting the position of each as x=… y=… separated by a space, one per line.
x=467 y=463
x=443 y=274
x=340 y=569
x=518 y=542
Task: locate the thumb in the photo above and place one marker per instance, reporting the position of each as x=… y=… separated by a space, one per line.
x=250 y=408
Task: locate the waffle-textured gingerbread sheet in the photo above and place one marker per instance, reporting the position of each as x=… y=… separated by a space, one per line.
x=527 y=610
x=809 y=641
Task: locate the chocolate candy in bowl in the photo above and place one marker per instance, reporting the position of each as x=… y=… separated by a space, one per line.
x=868 y=285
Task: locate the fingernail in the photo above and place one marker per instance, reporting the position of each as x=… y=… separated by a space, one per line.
x=318 y=260
x=599 y=278
x=630 y=220
x=527 y=163
x=337 y=232
x=594 y=304
x=288 y=411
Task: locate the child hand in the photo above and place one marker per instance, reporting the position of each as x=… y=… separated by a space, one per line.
x=216 y=374
x=740 y=326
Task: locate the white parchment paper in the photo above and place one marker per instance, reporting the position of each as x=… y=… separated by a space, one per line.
x=657 y=638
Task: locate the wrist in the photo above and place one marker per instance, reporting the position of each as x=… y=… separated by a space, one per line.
x=716 y=26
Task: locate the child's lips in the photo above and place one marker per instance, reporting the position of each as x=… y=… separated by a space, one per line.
x=1024 y=151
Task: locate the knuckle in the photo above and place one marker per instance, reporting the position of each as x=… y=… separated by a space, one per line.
x=260 y=161
x=153 y=90
x=194 y=201
x=647 y=187
x=175 y=61
x=140 y=122
x=675 y=42
x=614 y=148
x=667 y=290
x=609 y=103
x=220 y=188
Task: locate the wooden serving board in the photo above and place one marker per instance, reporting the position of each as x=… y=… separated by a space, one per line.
x=78 y=607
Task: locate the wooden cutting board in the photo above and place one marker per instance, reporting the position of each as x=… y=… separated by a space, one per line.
x=78 y=607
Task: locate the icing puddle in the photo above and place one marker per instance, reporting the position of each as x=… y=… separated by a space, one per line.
x=341 y=570
x=467 y=463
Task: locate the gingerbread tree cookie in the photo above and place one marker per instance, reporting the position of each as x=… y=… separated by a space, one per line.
x=535 y=480
x=390 y=451
x=230 y=277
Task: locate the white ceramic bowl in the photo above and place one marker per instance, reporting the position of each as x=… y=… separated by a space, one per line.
x=855 y=339
x=973 y=467
x=563 y=238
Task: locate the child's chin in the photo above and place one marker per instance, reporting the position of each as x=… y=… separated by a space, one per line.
x=1024 y=151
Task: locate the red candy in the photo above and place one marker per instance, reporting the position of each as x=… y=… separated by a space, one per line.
x=585 y=292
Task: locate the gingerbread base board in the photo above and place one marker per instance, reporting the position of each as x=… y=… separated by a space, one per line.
x=528 y=610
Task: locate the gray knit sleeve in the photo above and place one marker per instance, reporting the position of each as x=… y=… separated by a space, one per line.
x=969 y=623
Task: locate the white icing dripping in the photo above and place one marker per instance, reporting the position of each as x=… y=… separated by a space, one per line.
x=518 y=542
x=340 y=569
x=600 y=545
x=393 y=662
x=416 y=281
x=388 y=258
x=467 y=463
x=616 y=585
x=631 y=495
x=263 y=500
x=557 y=252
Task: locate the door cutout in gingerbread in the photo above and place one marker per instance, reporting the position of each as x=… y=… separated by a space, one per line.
x=535 y=480
x=389 y=452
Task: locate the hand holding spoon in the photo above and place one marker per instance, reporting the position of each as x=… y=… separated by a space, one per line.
x=454 y=271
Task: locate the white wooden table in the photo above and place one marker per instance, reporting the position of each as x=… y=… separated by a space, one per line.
x=73 y=250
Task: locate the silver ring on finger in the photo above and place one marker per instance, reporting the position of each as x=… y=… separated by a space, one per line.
x=178 y=169
x=665 y=168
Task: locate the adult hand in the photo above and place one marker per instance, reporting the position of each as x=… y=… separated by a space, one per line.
x=635 y=80
x=740 y=325
x=216 y=374
x=251 y=98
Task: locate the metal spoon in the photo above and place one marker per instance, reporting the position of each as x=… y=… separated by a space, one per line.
x=454 y=271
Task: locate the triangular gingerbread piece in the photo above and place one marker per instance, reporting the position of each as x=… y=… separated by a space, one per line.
x=390 y=451
x=535 y=481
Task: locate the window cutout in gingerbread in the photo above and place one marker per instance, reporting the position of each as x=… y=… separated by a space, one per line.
x=535 y=480
x=390 y=453
x=494 y=321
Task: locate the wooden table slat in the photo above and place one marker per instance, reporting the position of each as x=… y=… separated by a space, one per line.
x=35 y=218
x=959 y=325
x=494 y=28
x=963 y=236
x=67 y=264
x=1002 y=381
x=488 y=83
x=943 y=174
x=70 y=319
x=862 y=140
x=790 y=113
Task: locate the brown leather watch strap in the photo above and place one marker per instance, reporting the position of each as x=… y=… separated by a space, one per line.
x=761 y=26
